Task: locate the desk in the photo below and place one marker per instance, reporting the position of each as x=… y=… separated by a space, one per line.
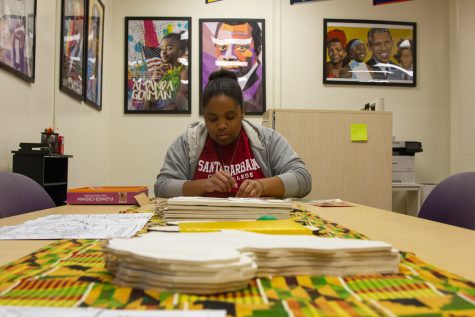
x=446 y=246
x=59 y=278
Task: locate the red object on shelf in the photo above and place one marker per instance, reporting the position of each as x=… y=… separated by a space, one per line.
x=60 y=144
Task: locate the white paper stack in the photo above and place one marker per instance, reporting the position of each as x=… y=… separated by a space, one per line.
x=214 y=262
x=223 y=209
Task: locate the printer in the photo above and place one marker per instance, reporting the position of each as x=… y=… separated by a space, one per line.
x=404 y=167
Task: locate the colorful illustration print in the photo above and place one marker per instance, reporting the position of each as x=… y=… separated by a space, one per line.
x=17 y=37
x=369 y=52
x=73 y=41
x=94 y=53
x=236 y=45
x=158 y=65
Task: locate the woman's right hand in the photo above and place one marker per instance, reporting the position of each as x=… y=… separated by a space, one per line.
x=219 y=182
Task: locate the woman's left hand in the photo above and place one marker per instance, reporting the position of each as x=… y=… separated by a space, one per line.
x=250 y=188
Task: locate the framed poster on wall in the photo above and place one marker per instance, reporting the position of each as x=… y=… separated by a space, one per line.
x=94 y=50
x=367 y=52
x=157 y=65
x=72 y=48
x=18 y=38
x=237 y=45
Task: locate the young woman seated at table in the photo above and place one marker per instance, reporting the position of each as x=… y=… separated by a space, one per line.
x=227 y=156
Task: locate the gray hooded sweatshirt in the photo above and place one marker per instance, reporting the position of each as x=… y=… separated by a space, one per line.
x=271 y=150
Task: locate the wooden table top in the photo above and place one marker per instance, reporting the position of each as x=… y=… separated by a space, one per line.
x=448 y=247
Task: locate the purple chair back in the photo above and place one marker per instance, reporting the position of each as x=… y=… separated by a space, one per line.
x=452 y=201
x=20 y=194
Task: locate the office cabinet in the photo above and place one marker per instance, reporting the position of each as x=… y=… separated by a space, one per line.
x=359 y=172
x=50 y=171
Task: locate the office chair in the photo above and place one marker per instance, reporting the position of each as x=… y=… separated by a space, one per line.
x=452 y=201
x=20 y=194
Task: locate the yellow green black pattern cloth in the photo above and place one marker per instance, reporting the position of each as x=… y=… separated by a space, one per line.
x=71 y=273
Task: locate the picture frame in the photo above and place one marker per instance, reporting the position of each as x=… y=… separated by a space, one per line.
x=157 y=65
x=94 y=53
x=369 y=52
x=73 y=29
x=18 y=38
x=218 y=48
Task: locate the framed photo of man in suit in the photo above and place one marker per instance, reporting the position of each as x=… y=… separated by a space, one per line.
x=237 y=45
x=368 y=52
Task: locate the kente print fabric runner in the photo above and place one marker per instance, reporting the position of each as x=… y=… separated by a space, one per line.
x=71 y=273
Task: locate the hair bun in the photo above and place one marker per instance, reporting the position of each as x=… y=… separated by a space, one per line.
x=222 y=73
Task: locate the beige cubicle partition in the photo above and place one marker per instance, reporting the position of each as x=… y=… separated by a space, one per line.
x=354 y=171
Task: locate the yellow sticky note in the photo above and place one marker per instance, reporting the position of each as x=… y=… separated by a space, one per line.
x=359 y=132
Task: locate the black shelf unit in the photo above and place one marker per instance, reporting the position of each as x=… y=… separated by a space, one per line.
x=50 y=171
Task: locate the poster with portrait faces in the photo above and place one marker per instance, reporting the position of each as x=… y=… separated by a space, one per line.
x=366 y=52
x=157 y=65
x=237 y=45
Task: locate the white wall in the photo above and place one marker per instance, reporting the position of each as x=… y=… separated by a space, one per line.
x=27 y=109
x=112 y=148
x=419 y=114
x=140 y=141
x=294 y=68
x=463 y=95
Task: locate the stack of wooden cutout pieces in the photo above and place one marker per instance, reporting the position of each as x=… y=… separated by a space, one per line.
x=215 y=262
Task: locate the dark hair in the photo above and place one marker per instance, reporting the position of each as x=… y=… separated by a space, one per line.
x=256 y=33
x=175 y=37
x=348 y=58
x=223 y=82
x=372 y=31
